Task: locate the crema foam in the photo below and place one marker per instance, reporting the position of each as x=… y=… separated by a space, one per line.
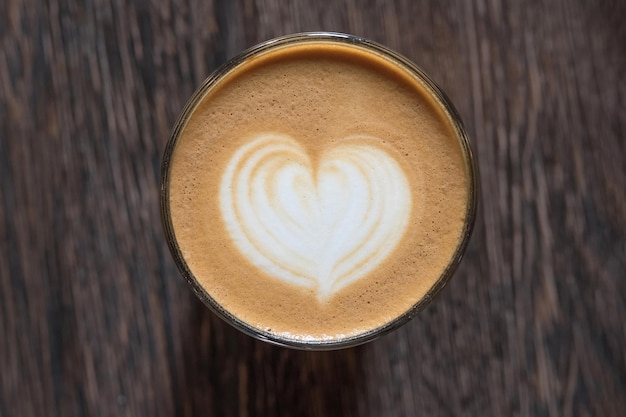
x=317 y=191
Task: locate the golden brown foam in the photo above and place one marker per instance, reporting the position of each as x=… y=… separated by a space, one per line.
x=319 y=94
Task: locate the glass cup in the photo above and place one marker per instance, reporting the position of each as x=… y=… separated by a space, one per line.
x=356 y=42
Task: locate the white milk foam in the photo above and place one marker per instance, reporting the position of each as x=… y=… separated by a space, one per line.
x=319 y=227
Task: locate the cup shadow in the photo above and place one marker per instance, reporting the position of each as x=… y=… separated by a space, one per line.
x=227 y=373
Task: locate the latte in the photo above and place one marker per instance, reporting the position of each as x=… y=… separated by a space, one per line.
x=317 y=191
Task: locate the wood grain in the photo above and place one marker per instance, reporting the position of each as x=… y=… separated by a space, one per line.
x=96 y=321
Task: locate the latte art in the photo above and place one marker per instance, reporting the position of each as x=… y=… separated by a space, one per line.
x=322 y=225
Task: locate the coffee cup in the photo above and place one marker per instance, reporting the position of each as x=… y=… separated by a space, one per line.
x=318 y=190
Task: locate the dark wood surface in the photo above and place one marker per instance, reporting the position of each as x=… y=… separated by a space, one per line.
x=96 y=321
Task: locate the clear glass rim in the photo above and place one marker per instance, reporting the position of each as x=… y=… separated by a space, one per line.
x=370 y=46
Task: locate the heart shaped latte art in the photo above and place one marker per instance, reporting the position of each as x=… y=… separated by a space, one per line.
x=321 y=227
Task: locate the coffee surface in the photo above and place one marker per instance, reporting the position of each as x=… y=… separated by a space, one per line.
x=318 y=191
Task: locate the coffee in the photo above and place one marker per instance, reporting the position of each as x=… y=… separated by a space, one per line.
x=317 y=191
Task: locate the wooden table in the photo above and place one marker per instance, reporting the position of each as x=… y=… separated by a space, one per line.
x=95 y=319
